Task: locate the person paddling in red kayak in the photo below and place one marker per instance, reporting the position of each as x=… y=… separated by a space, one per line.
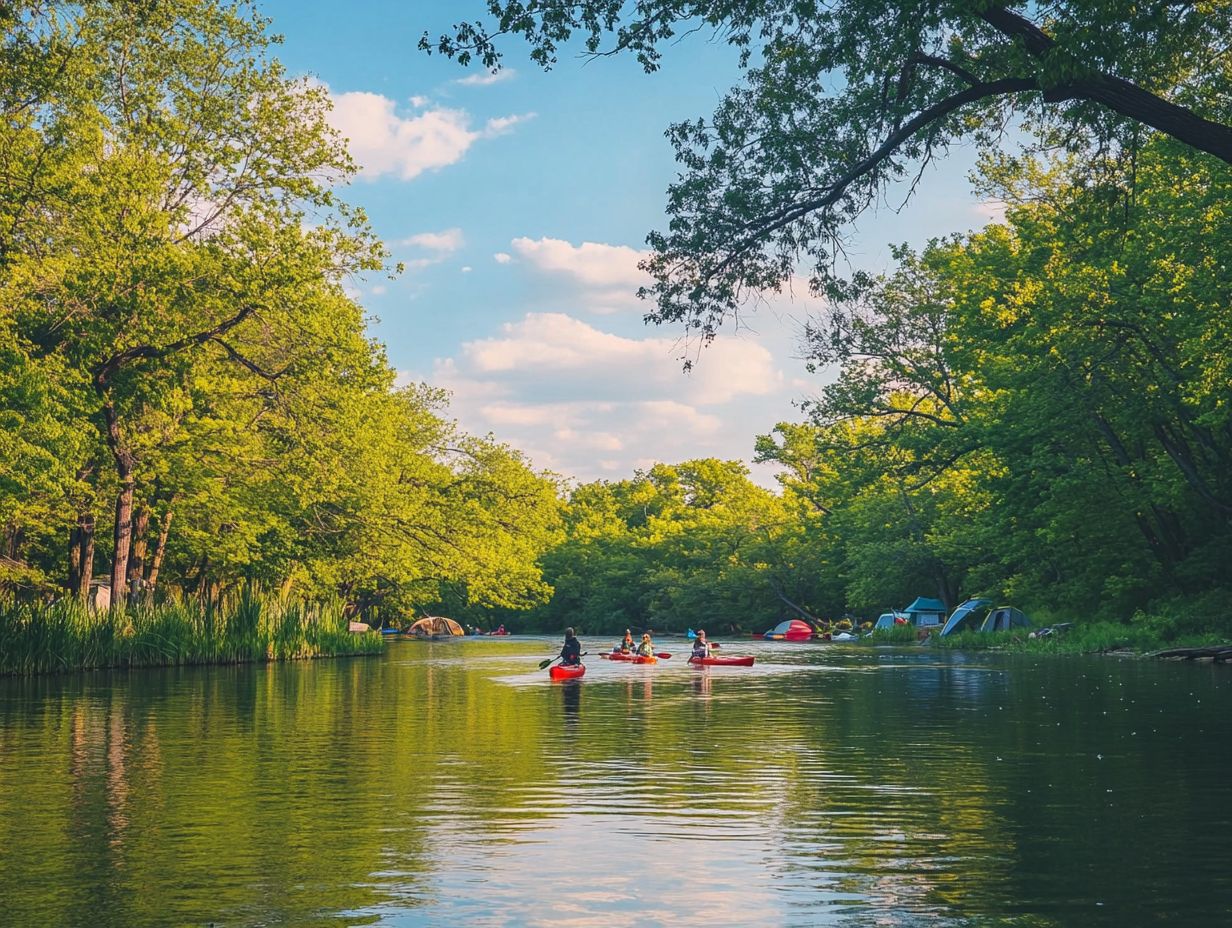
x=626 y=646
x=646 y=648
x=571 y=653
x=701 y=647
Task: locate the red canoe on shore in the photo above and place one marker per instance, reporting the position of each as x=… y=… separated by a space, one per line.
x=559 y=672
x=722 y=661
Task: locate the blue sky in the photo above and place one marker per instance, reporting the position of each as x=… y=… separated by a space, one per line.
x=519 y=206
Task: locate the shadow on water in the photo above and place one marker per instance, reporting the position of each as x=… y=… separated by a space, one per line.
x=452 y=782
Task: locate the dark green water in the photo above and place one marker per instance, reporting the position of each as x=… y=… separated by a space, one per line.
x=451 y=784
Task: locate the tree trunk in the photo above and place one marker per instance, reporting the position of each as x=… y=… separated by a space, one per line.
x=123 y=534
x=778 y=591
x=81 y=557
x=136 y=560
x=160 y=549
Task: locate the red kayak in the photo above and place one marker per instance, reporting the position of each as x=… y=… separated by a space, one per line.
x=635 y=658
x=722 y=661
x=559 y=672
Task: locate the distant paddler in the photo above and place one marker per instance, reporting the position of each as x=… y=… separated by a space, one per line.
x=626 y=646
x=701 y=647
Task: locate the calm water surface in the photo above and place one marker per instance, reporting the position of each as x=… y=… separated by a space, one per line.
x=452 y=784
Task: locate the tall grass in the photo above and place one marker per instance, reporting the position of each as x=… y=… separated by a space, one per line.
x=67 y=636
x=895 y=634
x=1142 y=634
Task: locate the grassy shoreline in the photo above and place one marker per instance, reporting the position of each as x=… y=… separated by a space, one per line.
x=65 y=637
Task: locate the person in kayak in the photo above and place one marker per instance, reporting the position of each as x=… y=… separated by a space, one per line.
x=701 y=647
x=646 y=648
x=626 y=646
x=571 y=653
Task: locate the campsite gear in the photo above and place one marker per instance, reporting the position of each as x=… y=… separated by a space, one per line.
x=889 y=620
x=432 y=627
x=721 y=661
x=925 y=612
x=560 y=672
x=791 y=630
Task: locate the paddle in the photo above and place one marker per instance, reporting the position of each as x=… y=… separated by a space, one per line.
x=693 y=634
x=553 y=660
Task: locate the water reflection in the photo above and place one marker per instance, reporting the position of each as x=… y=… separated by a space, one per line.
x=571 y=700
x=453 y=783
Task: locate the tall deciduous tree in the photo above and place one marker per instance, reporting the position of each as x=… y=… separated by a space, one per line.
x=184 y=163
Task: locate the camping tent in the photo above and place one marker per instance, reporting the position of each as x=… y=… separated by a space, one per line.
x=967 y=617
x=791 y=630
x=1004 y=618
x=977 y=615
x=925 y=612
x=436 y=626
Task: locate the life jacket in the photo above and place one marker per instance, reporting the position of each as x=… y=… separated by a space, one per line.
x=646 y=649
x=701 y=648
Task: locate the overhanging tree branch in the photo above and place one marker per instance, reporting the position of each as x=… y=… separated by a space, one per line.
x=1116 y=93
x=765 y=225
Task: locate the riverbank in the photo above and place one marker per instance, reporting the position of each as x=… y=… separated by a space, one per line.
x=1141 y=638
x=65 y=636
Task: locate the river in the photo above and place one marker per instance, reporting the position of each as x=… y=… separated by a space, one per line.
x=451 y=783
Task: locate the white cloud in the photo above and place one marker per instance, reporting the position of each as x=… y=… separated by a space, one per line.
x=487 y=78
x=501 y=258
x=438 y=245
x=500 y=125
x=581 y=359
x=448 y=240
x=591 y=264
x=466 y=269
x=590 y=403
x=384 y=142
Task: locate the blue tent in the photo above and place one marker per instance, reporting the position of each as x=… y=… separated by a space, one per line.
x=977 y=615
x=925 y=612
x=967 y=617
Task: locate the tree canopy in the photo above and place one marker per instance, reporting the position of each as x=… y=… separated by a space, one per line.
x=179 y=338
x=842 y=99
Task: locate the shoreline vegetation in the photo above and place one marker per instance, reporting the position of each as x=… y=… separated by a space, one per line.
x=67 y=637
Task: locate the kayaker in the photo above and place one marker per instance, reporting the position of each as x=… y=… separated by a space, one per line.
x=646 y=648
x=701 y=647
x=571 y=653
x=626 y=646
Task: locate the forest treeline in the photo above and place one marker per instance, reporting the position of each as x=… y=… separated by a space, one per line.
x=189 y=399
x=191 y=405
